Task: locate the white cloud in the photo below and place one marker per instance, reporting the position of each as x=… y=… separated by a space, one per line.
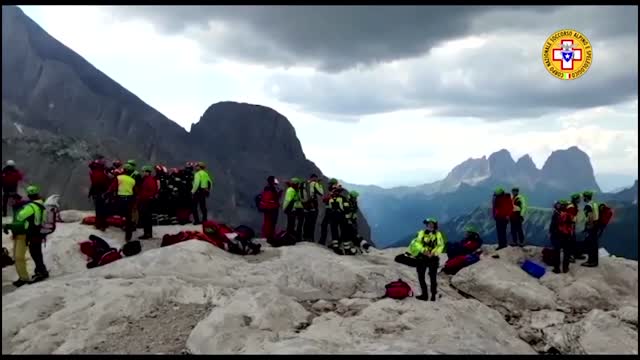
x=401 y=147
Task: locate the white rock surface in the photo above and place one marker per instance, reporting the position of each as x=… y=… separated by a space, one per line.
x=303 y=299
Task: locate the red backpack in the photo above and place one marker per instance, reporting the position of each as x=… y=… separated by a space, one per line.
x=398 y=290
x=605 y=215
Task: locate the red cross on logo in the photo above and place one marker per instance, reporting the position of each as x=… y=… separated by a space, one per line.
x=557 y=56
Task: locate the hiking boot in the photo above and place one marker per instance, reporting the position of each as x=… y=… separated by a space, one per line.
x=495 y=256
x=39 y=277
x=422 y=297
x=145 y=237
x=580 y=257
x=589 y=264
x=20 y=282
x=433 y=297
x=556 y=270
x=565 y=270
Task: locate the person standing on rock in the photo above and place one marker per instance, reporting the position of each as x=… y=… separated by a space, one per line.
x=328 y=213
x=269 y=205
x=426 y=248
x=26 y=233
x=517 y=217
x=573 y=208
x=11 y=177
x=100 y=182
x=592 y=229
x=310 y=193
x=561 y=231
x=123 y=186
x=501 y=210
x=200 y=191
x=294 y=209
x=147 y=194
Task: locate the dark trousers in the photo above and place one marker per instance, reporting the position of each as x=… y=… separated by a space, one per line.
x=199 y=201
x=269 y=223
x=310 y=219
x=295 y=223
x=35 y=249
x=501 y=231
x=7 y=194
x=102 y=212
x=517 y=233
x=324 y=226
x=125 y=205
x=432 y=264
x=336 y=224
x=591 y=245
x=145 y=211
x=563 y=249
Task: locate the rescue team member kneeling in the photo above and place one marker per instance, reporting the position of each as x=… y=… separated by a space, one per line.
x=26 y=232
x=423 y=253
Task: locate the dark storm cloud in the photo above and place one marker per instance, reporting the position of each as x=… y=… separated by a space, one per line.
x=352 y=47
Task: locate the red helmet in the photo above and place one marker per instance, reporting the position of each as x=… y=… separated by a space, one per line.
x=160 y=169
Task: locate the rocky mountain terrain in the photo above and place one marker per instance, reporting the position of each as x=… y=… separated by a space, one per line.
x=58 y=111
x=306 y=300
x=470 y=184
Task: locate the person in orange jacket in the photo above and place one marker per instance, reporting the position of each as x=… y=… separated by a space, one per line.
x=147 y=194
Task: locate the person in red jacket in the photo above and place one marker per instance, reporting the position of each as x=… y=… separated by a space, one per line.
x=269 y=204
x=501 y=210
x=148 y=192
x=11 y=177
x=100 y=182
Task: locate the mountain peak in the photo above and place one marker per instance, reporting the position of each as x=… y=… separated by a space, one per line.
x=570 y=169
x=501 y=165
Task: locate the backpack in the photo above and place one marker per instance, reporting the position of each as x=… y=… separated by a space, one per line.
x=51 y=215
x=282 y=238
x=549 y=256
x=98 y=252
x=6 y=259
x=398 y=290
x=605 y=213
x=245 y=233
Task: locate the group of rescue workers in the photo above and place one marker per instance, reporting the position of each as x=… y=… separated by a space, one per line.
x=301 y=206
x=137 y=195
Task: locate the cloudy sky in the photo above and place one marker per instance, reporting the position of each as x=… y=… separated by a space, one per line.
x=380 y=95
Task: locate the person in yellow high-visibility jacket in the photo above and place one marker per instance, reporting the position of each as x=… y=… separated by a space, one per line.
x=124 y=187
x=591 y=212
x=517 y=217
x=424 y=253
x=293 y=209
x=200 y=190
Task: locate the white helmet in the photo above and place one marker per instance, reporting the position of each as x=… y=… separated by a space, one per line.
x=11 y=163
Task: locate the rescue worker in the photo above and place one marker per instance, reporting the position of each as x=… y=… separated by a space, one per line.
x=336 y=203
x=270 y=207
x=200 y=191
x=350 y=226
x=502 y=209
x=561 y=233
x=97 y=192
x=148 y=192
x=123 y=186
x=517 y=217
x=184 y=197
x=468 y=245
x=294 y=209
x=573 y=208
x=326 y=219
x=11 y=178
x=426 y=248
x=116 y=168
x=161 y=203
x=592 y=229
x=310 y=192
x=26 y=233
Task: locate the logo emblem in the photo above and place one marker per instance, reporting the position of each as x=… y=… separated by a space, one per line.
x=567 y=54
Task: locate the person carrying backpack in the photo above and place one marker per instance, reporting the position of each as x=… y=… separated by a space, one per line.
x=517 y=217
x=592 y=229
x=26 y=229
x=425 y=248
x=501 y=210
x=147 y=194
x=294 y=209
x=200 y=191
x=310 y=192
x=268 y=202
x=562 y=228
x=11 y=177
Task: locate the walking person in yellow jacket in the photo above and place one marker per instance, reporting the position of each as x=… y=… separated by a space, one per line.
x=123 y=186
x=26 y=233
x=294 y=209
x=424 y=251
x=200 y=190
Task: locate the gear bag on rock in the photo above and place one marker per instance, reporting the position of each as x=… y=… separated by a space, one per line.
x=398 y=290
x=282 y=238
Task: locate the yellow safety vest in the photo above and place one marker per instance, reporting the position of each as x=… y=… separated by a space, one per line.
x=125 y=185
